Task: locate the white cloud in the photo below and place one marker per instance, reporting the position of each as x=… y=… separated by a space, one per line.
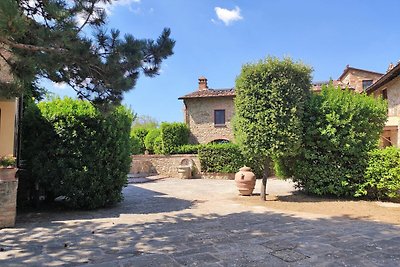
x=110 y=7
x=228 y=16
x=60 y=86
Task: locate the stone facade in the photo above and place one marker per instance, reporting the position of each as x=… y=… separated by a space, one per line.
x=390 y=135
x=200 y=119
x=354 y=78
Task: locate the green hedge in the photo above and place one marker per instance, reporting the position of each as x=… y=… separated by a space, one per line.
x=150 y=138
x=221 y=158
x=382 y=176
x=340 y=128
x=73 y=150
x=139 y=133
x=173 y=135
x=187 y=149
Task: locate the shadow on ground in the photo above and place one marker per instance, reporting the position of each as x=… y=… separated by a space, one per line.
x=185 y=237
x=136 y=201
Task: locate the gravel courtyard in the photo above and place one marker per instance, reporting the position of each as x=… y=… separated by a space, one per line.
x=172 y=222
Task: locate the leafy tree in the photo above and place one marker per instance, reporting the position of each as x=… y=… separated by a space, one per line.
x=269 y=104
x=145 y=121
x=45 y=39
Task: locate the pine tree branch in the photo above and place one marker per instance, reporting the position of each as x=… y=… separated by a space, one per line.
x=91 y=9
x=33 y=48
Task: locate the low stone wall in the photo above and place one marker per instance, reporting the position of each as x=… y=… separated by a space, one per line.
x=8 y=202
x=144 y=165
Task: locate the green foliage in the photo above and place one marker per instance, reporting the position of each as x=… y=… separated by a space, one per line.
x=382 y=176
x=157 y=146
x=47 y=40
x=187 y=149
x=221 y=158
x=269 y=106
x=73 y=150
x=340 y=128
x=136 y=145
x=145 y=121
x=173 y=135
x=150 y=138
x=7 y=161
x=140 y=134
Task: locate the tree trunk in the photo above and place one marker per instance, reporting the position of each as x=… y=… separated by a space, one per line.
x=264 y=181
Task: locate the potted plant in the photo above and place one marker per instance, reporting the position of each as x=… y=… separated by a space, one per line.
x=8 y=168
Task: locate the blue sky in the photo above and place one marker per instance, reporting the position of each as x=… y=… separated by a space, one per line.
x=215 y=38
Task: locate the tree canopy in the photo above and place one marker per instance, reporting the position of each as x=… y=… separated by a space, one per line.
x=269 y=105
x=66 y=41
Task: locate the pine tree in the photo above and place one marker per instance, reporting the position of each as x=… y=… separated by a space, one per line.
x=47 y=39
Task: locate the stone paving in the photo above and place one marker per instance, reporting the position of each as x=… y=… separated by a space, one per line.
x=173 y=222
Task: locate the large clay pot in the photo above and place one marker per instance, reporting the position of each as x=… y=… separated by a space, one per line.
x=245 y=181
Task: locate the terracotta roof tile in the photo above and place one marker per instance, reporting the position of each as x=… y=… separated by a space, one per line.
x=210 y=93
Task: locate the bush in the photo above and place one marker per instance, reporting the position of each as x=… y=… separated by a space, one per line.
x=140 y=134
x=187 y=149
x=157 y=146
x=340 y=128
x=136 y=145
x=73 y=150
x=221 y=158
x=150 y=138
x=173 y=135
x=382 y=176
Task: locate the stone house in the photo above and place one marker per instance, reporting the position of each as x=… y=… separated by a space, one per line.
x=353 y=78
x=208 y=113
x=388 y=87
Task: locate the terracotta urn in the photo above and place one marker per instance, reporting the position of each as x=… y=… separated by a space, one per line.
x=245 y=181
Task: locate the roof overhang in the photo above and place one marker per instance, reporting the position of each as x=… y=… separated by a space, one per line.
x=392 y=74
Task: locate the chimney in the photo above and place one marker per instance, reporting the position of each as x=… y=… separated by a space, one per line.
x=391 y=66
x=203 y=83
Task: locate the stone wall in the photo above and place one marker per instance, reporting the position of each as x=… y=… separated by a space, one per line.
x=200 y=118
x=8 y=202
x=144 y=165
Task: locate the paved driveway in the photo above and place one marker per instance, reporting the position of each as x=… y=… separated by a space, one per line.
x=175 y=222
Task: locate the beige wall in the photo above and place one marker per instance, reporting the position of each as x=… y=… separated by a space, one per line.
x=8 y=110
x=200 y=118
x=393 y=94
x=354 y=79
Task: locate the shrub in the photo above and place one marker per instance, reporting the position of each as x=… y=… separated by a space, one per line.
x=136 y=145
x=382 y=176
x=187 y=149
x=157 y=146
x=150 y=138
x=140 y=133
x=73 y=150
x=173 y=135
x=340 y=128
x=221 y=158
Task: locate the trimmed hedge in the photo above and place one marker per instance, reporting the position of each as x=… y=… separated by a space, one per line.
x=173 y=135
x=187 y=149
x=139 y=133
x=150 y=138
x=340 y=128
x=73 y=150
x=382 y=176
x=221 y=158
